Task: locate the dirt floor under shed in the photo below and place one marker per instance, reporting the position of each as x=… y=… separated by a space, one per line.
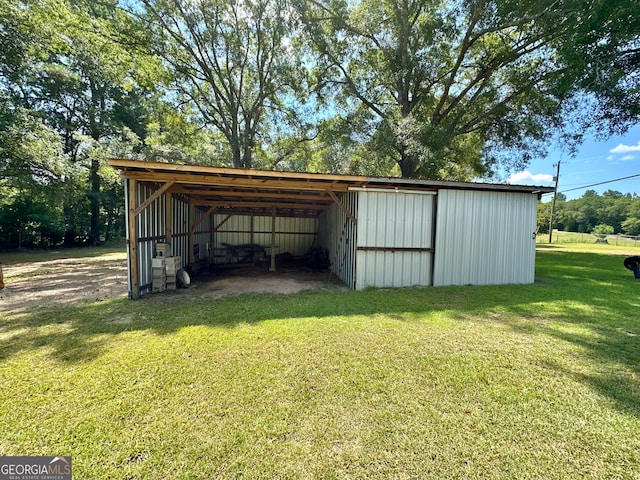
x=39 y=285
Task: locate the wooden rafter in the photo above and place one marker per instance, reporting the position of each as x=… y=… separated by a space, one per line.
x=275 y=184
x=242 y=204
x=341 y=205
x=208 y=193
x=154 y=195
x=202 y=219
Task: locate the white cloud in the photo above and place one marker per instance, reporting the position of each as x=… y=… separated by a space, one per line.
x=527 y=178
x=626 y=148
x=628 y=157
x=610 y=157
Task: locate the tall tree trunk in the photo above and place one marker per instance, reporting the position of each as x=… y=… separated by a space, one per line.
x=408 y=163
x=94 y=198
x=95 y=110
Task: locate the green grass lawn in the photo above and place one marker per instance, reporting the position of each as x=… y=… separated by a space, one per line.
x=533 y=381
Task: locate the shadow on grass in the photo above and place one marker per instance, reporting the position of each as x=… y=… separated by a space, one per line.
x=588 y=290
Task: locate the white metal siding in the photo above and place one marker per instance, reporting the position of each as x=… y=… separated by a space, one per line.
x=180 y=230
x=202 y=234
x=484 y=238
x=293 y=235
x=337 y=235
x=150 y=230
x=400 y=220
x=389 y=222
x=393 y=269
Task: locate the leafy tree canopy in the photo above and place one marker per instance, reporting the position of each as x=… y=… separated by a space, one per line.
x=455 y=88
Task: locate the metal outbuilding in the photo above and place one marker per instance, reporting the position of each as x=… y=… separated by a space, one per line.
x=377 y=232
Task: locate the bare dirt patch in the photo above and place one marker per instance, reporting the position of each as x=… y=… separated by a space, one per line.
x=33 y=286
x=39 y=285
x=260 y=280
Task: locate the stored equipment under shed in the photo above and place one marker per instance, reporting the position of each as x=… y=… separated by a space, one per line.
x=369 y=231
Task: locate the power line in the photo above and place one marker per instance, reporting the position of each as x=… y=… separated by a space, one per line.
x=602 y=183
x=599 y=183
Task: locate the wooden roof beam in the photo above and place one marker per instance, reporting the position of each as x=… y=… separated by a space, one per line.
x=321 y=196
x=227 y=204
x=153 y=196
x=342 y=207
x=186 y=179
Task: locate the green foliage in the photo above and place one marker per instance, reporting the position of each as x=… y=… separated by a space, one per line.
x=631 y=225
x=618 y=212
x=457 y=88
x=603 y=229
x=601 y=57
x=72 y=97
x=231 y=62
x=446 y=89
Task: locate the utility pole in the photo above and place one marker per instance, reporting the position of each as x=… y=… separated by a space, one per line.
x=553 y=204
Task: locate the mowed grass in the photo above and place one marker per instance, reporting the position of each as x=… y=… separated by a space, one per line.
x=528 y=381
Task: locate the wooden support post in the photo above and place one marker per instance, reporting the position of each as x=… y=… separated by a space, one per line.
x=273 y=240
x=133 y=240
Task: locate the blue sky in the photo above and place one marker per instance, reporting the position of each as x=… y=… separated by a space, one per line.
x=595 y=161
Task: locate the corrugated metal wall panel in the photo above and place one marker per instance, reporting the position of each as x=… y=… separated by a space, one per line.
x=337 y=235
x=202 y=235
x=484 y=238
x=394 y=219
x=180 y=230
x=150 y=230
x=235 y=230
x=293 y=235
x=393 y=269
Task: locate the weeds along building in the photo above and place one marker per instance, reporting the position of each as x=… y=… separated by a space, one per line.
x=374 y=232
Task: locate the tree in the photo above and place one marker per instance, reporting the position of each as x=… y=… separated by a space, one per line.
x=631 y=226
x=602 y=55
x=31 y=179
x=232 y=61
x=62 y=66
x=602 y=229
x=448 y=85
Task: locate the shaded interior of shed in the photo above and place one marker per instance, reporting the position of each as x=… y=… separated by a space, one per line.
x=237 y=218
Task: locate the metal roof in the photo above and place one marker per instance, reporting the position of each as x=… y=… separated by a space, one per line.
x=236 y=190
